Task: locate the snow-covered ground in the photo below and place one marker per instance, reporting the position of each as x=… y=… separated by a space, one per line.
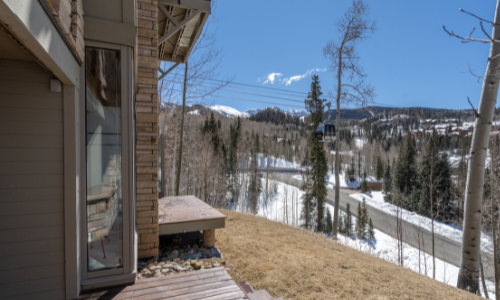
x=285 y=205
x=360 y=142
x=452 y=232
x=275 y=162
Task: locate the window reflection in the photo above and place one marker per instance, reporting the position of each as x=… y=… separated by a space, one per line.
x=104 y=158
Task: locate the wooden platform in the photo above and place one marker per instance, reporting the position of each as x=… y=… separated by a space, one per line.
x=186 y=214
x=208 y=284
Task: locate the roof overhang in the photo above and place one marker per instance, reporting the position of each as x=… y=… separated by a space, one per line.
x=180 y=23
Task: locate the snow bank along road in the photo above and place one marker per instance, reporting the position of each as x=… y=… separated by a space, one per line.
x=446 y=249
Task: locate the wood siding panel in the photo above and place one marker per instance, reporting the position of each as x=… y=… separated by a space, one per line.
x=31 y=141
x=30 y=207
x=33 y=194
x=31 y=168
x=24 y=155
x=31 y=184
x=33 y=260
x=27 y=128
x=27 y=101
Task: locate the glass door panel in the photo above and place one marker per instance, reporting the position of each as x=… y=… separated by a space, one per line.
x=103 y=121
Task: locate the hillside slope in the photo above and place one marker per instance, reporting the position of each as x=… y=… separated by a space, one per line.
x=296 y=264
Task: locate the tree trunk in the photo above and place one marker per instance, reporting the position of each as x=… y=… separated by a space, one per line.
x=494 y=228
x=469 y=269
x=337 y=150
x=179 y=158
x=482 y=278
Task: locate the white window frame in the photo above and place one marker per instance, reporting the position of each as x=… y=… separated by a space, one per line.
x=127 y=273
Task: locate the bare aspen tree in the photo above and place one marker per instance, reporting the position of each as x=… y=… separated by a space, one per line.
x=494 y=178
x=468 y=277
x=344 y=63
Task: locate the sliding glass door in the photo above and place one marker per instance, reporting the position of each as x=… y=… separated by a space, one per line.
x=104 y=159
x=108 y=183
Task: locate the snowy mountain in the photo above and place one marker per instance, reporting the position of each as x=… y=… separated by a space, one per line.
x=296 y=112
x=229 y=111
x=233 y=113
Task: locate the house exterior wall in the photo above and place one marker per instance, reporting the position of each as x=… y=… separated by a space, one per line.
x=69 y=17
x=32 y=241
x=146 y=120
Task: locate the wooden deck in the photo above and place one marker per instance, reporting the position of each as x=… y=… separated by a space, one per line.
x=186 y=214
x=208 y=284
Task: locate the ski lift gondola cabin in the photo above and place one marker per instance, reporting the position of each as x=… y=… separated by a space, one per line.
x=325 y=133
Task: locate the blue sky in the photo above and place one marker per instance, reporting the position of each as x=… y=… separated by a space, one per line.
x=409 y=60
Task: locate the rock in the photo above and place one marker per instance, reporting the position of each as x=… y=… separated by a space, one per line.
x=216 y=265
x=197 y=265
x=158 y=274
x=139 y=276
x=178 y=268
x=157 y=271
x=173 y=255
x=152 y=268
x=208 y=266
x=161 y=263
x=164 y=271
x=168 y=265
x=224 y=262
x=177 y=260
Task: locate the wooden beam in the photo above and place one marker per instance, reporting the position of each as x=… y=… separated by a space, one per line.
x=196 y=36
x=189 y=4
x=177 y=44
x=165 y=11
x=178 y=27
x=178 y=59
x=163 y=74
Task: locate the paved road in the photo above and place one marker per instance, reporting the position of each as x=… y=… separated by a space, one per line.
x=446 y=249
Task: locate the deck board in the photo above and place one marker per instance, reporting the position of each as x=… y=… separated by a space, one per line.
x=185 y=209
x=214 y=283
x=187 y=213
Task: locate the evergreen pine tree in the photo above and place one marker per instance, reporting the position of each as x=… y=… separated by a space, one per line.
x=379 y=169
x=359 y=222
x=307 y=197
x=318 y=161
x=371 y=232
x=329 y=221
x=387 y=179
x=365 y=188
x=348 y=221
x=406 y=166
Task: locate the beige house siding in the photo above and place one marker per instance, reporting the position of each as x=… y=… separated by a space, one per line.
x=31 y=184
x=146 y=118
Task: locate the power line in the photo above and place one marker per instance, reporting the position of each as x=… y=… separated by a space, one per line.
x=250 y=100
x=277 y=90
x=260 y=95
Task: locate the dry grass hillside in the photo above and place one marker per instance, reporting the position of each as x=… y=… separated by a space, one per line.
x=296 y=264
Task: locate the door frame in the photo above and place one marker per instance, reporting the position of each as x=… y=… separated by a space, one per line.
x=128 y=272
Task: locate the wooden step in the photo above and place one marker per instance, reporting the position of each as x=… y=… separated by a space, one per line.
x=255 y=295
x=264 y=295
